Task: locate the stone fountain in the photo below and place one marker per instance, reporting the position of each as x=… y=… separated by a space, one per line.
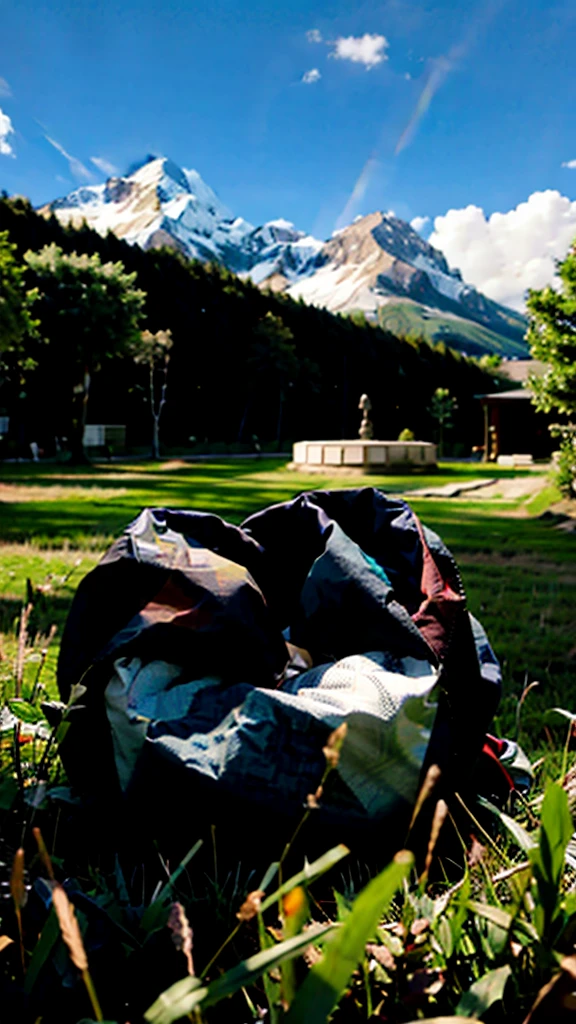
x=362 y=454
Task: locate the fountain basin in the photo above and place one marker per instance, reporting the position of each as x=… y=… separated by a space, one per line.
x=362 y=456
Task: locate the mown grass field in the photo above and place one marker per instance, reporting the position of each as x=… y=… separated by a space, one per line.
x=519 y=569
x=483 y=942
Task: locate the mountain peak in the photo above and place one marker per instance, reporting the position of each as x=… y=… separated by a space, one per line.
x=376 y=264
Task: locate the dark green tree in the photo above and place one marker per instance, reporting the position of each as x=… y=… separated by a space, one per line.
x=442 y=409
x=89 y=312
x=552 y=339
x=273 y=362
x=16 y=300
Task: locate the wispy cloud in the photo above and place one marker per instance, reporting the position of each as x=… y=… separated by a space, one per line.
x=440 y=67
x=5 y=89
x=570 y=164
x=6 y=130
x=77 y=168
x=368 y=50
x=103 y=165
x=309 y=77
x=358 y=192
x=438 y=72
x=314 y=35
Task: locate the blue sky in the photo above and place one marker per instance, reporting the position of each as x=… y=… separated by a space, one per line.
x=296 y=109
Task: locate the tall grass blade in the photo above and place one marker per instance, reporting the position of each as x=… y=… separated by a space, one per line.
x=42 y=951
x=548 y=857
x=521 y=837
x=308 y=874
x=155 y=916
x=319 y=995
x=182 y=998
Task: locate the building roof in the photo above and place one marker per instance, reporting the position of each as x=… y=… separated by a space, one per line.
x=520 y=369
x=518 y=394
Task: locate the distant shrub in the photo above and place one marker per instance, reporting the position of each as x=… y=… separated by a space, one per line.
x=406 y=435
x=565 y=465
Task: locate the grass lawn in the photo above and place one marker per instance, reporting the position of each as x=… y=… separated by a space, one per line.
x=519 y=570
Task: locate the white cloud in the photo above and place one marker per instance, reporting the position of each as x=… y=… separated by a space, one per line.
x=507 y=253
x=103 y=165
x=418 y=223
x=570 y=164
x=6 y=129
x=77 y=168
x=311 y=76
x=314 y=35
x=368 y=50
x=5 y=89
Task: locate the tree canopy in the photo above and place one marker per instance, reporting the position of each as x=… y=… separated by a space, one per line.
x=552 y=338
x=89 y=312
x=16 y=300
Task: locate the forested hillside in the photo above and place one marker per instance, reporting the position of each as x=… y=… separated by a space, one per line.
x=243 y=362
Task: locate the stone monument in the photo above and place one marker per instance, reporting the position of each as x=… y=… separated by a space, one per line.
x=366 y=432
x=363 y=455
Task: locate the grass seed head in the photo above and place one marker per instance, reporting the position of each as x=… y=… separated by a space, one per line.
x=251 y=905
x=334 y=745
x=69 y=928
x=44 y=855
x=17 y=887
x=182 y=935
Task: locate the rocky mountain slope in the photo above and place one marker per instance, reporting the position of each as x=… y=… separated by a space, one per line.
x=378 y=264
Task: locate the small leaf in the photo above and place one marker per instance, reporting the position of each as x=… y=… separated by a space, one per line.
x=25 y=712
x=445 y=938
x=484 y=992
x=5 y=941
x=495 y=915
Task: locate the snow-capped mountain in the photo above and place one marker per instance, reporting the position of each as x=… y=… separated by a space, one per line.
x=378 y=264
x=158 y=204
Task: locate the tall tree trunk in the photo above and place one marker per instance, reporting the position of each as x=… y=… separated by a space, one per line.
x=244 y=418
x=155 y=431
x=156 y=413
x=279 y=424
x=79 y=420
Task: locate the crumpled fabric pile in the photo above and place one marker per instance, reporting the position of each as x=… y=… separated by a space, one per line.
x=220 y=658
